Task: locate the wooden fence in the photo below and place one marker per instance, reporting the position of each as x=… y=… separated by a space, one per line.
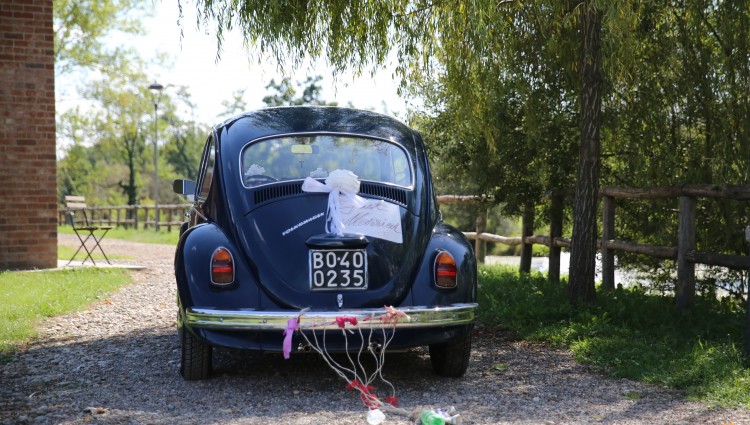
x=135 y=216
x=685 y=253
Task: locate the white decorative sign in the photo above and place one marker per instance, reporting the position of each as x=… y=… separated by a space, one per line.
x=376 y=218
x=350 y=213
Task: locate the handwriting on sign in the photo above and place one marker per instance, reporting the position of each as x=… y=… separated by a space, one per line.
x=375 y=218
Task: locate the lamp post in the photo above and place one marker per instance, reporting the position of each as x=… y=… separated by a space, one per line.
x=155 y=90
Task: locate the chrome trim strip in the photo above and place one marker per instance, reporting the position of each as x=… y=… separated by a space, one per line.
x=276 y=320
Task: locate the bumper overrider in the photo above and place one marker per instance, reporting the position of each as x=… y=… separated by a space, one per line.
x=274 y=320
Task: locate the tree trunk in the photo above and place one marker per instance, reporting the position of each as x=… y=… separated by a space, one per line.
x=131 y=189
x=583 y=243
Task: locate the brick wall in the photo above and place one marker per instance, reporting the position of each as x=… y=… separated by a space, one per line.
x=28 y=217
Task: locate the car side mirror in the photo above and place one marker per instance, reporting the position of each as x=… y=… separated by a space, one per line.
x=184 y=187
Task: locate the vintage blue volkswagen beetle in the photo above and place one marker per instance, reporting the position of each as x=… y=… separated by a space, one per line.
x=260 y=245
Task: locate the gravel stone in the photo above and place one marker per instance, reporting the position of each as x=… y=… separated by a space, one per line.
x=118 y=363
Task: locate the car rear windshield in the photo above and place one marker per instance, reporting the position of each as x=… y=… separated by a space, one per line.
x=297 y=157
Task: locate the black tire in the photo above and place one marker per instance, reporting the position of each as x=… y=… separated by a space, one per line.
x=451 y=358
x=196 y=357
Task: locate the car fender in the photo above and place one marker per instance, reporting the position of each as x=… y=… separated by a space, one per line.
x=193 y=272
x=448 y=239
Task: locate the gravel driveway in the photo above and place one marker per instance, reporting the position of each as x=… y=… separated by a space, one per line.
x=117 y=363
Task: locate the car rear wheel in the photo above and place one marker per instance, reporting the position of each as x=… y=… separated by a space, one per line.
x=451 y=358
x=196 y=357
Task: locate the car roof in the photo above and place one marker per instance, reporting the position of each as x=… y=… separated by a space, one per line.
x=239 y=130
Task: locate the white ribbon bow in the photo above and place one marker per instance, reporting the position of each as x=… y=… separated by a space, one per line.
x=341 y=186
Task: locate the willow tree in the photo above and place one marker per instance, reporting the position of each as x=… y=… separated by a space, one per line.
x=506 y=118
x=361 y=34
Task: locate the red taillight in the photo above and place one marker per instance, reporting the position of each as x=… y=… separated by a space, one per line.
x=445 y=270
x=222 y=267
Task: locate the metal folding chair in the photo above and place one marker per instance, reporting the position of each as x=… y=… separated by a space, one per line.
x=88 y=230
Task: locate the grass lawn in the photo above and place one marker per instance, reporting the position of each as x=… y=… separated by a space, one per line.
x=27 y=297
x=628 y=333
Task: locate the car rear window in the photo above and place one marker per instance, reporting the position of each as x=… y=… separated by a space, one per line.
x=296 y=157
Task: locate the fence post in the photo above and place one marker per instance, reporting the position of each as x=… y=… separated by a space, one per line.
x=608 y=234
x=555 y=231
x=527 y=229
x=145 y=217
x=135 y=217
x=685 y=290
x=480 y=246
x=156 y=217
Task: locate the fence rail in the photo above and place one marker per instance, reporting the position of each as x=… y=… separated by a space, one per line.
x=135 y=216
x=685 y=253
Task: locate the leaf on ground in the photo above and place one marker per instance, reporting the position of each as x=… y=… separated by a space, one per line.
x=633 y=395
x=500 y=367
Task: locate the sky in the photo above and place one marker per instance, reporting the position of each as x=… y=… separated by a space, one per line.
x=210 y=82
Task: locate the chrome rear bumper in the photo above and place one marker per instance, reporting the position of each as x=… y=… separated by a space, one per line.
x=253 y=320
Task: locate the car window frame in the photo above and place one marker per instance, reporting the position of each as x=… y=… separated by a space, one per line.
x=209 y=155
x=409 y=159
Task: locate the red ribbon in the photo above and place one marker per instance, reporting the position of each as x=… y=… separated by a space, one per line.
x=366 y=393
x=341 y=321
x=393 y=401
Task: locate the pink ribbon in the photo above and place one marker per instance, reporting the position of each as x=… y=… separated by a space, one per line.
x=392 y=316
x=291 y=326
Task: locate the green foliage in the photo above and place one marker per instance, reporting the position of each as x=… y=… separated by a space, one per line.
x=519 y=302
x=106 y=154
x=27 y=297
x=82 y=27
x=111 y=159
x=283 y=93
x=679 y=114
x=184 y=146
x=629 y=333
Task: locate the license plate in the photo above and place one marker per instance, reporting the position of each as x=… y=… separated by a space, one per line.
x=338 y=269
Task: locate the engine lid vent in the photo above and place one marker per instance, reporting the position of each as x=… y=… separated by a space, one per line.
x=272 y=192
x=389 y=193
